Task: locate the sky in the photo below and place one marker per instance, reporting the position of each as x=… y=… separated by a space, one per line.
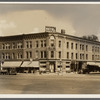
x=76 y=19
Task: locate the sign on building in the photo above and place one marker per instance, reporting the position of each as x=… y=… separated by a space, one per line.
x=50 y=29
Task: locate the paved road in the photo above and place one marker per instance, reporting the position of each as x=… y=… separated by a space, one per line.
x=50 y=84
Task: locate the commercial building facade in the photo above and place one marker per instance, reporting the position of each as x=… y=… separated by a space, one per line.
x=49 y=50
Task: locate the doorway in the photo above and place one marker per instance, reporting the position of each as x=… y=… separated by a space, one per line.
x=52 y=67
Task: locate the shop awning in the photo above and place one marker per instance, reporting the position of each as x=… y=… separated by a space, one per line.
x=30 y=64
x=93 y=63
x=11 y=64
x=98 y=64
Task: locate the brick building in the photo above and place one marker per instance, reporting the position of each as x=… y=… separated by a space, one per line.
x=50 y=51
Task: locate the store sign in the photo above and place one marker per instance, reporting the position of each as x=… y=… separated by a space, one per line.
x=50 y=29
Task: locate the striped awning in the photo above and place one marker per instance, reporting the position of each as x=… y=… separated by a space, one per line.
x=11 y=64
x=30 y=64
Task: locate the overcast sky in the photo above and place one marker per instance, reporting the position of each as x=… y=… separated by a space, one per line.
x=76 y=19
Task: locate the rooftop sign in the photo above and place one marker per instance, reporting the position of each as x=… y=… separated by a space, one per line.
x=50 y=29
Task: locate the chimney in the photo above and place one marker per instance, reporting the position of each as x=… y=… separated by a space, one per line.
x=62 y=31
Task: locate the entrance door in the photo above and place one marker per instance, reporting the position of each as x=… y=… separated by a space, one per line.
x=52 y=67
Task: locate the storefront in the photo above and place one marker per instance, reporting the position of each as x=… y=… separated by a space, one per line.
x=30 y=67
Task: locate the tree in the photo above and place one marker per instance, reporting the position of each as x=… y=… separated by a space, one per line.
x=91 y=37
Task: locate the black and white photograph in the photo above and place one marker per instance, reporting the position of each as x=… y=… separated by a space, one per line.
x=50 y=48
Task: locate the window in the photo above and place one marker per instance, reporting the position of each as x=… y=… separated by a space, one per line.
x=13 y=45
x=26 y=54
x=92 y=48
x=71 y=45
x=37 y=45
x=98 y=57
x=27 y=46
x=19 y=45
x=41 y=54
x=98 y=49
x=52 y=54
x=86 y=56
x=80 y=56
x=45 y=43
x=30 y=44
x=59 y=44
x=7 y=46
x=7 y=55
x=67 y=55
x=59 y=54
x=92 y=57
x=41 y=43
x=95 y=49
x=45 y=55
x=67 y=45
x=76 y=46
x=83 y=56
x=52 y=43
x=30 y=54
x=76 y=56
x=95 y=57
x=37 y=54
x=3 y=46
x=19 y=55
x=71 y=55
x=13 y=55
x=82 y=47
x=86 y=47
x=3 y=56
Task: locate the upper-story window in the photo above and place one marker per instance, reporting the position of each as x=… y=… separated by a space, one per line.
x=67 y=45
x=52 y=41
x=7 y=56
x=28 y=54
x=7 y=46
x=45 y=54
x=59 y=54
x=82 y=47
x=19 y=56
x=76 y=46
x=28 y=44
x=76 y=56
x=86 y=47
x=71 y=45
x=67 y=55
x=19 y=45
x=86 y=56
x=92 y=48
x=3 y=56
x=59 y=44
x=3 y=46
x=37 y=44
x=41 y=43
x=36 y=54
x=13 y=45
x=52 y=54
x=92 y=57
x=45 y=43
x=13 y=55
x=98 y=49
x=41 y=54
x=72 y=56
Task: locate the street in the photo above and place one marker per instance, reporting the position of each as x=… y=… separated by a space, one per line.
x=70 y=83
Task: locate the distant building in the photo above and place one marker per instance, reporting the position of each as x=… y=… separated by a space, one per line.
x=49 y=50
